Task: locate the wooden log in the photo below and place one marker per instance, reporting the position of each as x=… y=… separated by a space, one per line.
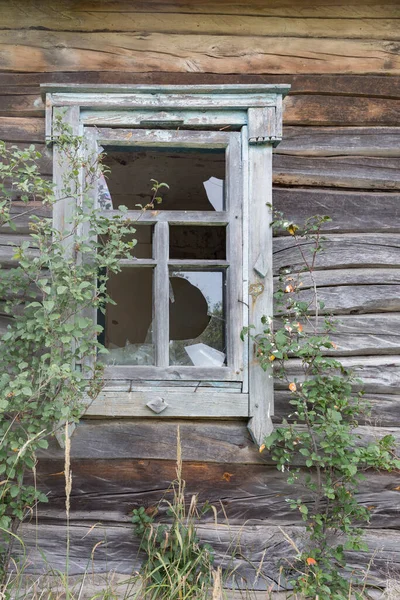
x=384 y=409
x=358 y=212
x=131 y=19
x=22 y=106
x=339 y=110
x=355 y=299
x=347 y=172
x=239 y=549
x=345 y=277
x=246 y=494
x=20 y=129
x=337 y=141
x=341 y=252
x=339 y=85
x=353 y=291
x=46 y=51
x=278 y=8
x=206 y=441
x=378 y=374
x=360 y=335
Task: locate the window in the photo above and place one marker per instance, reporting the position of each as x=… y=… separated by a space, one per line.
x=201 y=269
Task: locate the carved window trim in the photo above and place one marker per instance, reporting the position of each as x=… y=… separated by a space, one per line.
x=247 y=121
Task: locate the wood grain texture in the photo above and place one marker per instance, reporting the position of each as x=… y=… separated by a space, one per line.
x=341 y=252
x=352 y=291
x=336 y=141
x=31 y=51
x=19 y=129
x=335 y=109
x=206 y=441
x=378 y=374
x=361 y=335
x=107 y=491
x=279 y=8
x=87 y=17
x=260 y=276
x=116 y=549
x=191 y=403
x=334 y=171
x=363 y=86
x=351 y=212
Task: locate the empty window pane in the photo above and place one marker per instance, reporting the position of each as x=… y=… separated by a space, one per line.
x=143 y=237
x=197 y=241
x=195 y=178
x=197 y=318
x=128 y=326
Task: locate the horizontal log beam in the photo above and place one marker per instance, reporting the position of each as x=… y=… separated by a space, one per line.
x=261 y=547
x=251 y=494
x=341 y=252
x=363 y=86
x=207 y=441
x=48 y=52
x=351 y=212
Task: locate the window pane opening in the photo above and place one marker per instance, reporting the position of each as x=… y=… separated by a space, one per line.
x=197 y=318
x=197 y=242
x=128 y=324
x=143 y=238
x=195 y=178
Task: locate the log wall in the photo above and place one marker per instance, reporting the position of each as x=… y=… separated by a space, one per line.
x=340 y=156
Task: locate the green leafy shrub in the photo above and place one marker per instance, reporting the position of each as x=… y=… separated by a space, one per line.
x=321 y=433
x=48 y=353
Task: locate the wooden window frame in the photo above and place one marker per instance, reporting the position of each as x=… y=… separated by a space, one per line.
x=246 y=121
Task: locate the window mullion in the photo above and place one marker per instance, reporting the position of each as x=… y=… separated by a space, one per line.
x=161 y=294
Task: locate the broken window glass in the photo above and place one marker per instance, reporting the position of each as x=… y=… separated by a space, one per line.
x=197 y=318
x=195 y=177
x=128 y=324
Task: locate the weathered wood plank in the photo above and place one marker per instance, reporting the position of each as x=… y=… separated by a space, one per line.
x=378 y=374
x=192 y=403
x=358 y=335
x=341 y=252
x=277 y=8
x=206 y=441
x=74 y=18
x=46 y=51
x=355 y=299
x=260 y=276
x=251 y=494
x=344 y=277
x=90 y=17
x=336 y=141
x=374 y=173
x=384 y=409
x=324 y=110
x=116 y=549
x=350 y=212
x=20 y=129
x=21 y=105
x=364 y=86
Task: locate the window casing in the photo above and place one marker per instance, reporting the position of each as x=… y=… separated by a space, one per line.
x=242 y=122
